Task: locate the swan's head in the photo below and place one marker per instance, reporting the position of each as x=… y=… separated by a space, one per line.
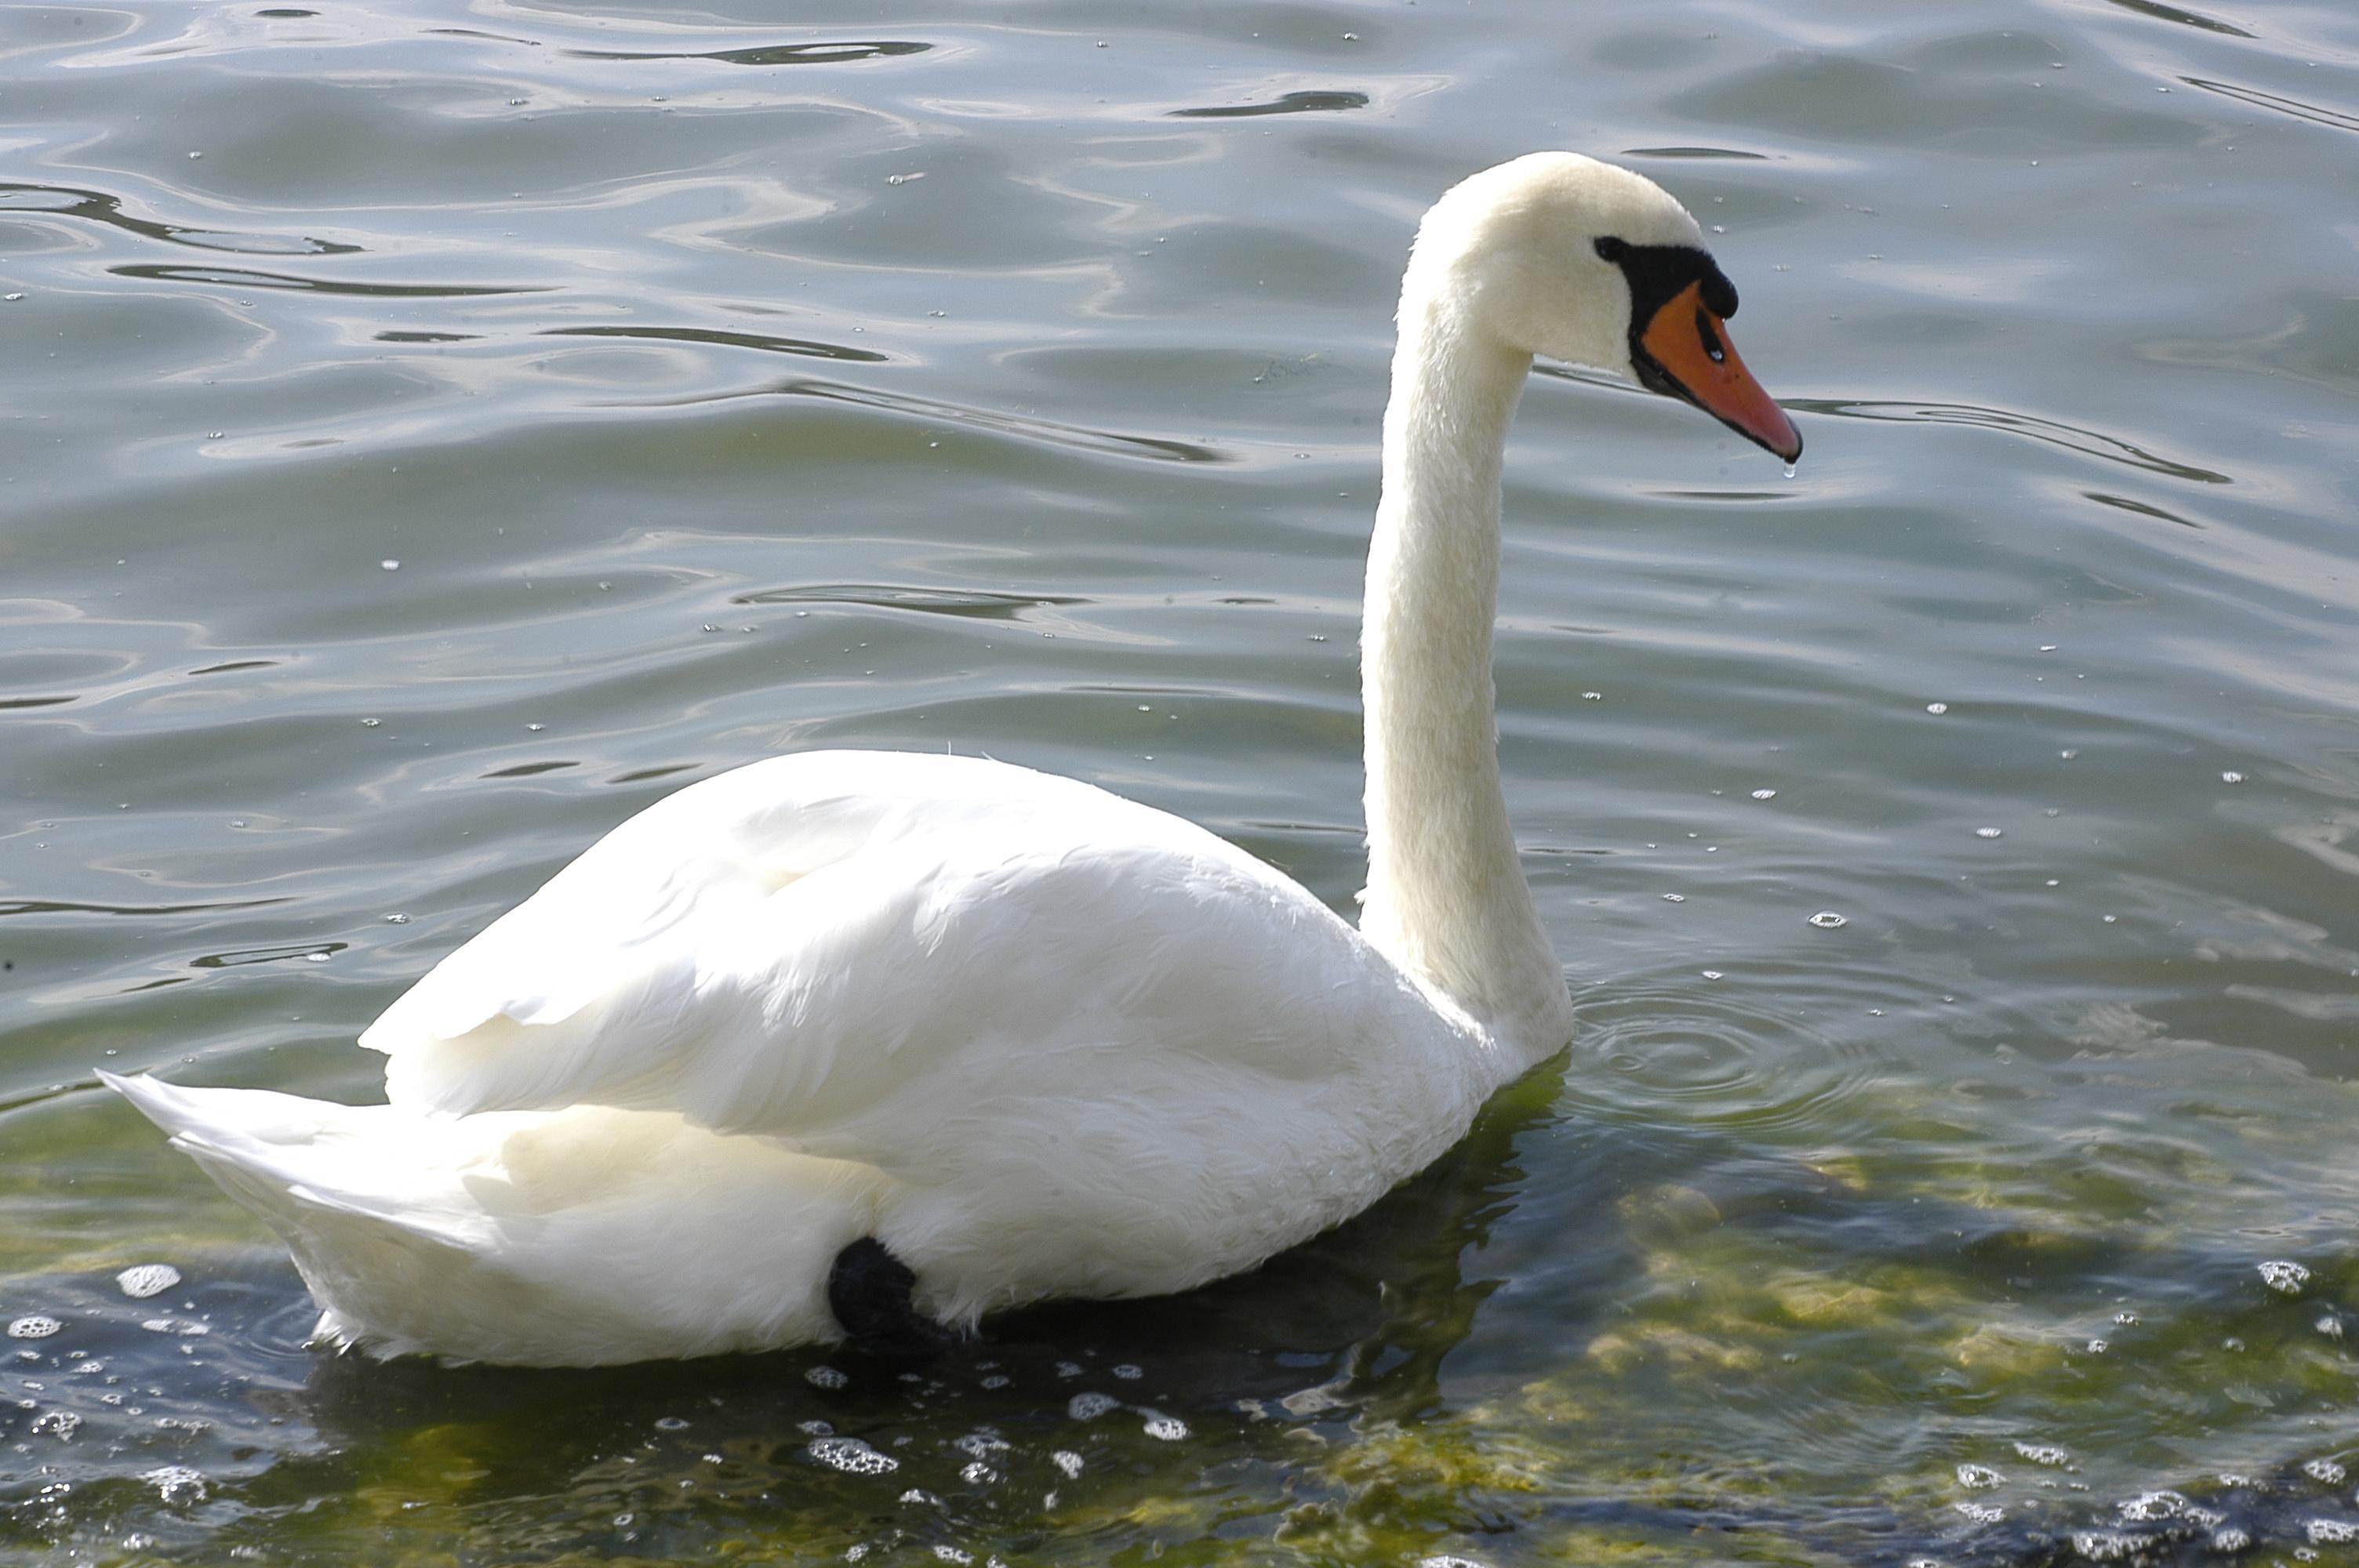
x=1558 y=255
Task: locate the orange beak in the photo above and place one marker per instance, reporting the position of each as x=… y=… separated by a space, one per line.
x=1685 y=351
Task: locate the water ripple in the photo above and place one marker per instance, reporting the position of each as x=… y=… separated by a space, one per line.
x=1160 y=448
x=2293 y=107
x=2156 y=9
x=1721 y=1057
x=98 y=207
x=247 y=277
x=59 y=907
x=934 y=601
x=810 y=346
x=770 y=54
x=1291 y=103
x=2090 y=443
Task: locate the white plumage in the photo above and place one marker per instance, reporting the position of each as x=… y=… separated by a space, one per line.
x=1036 y=1039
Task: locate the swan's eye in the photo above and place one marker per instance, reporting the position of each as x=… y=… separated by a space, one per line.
x=1712 y=347
x=1612 y=250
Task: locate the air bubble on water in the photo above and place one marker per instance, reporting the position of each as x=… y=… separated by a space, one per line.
x=816 y=1428
x=144 y=1280
x=175 y=1482
x=2098 y=1348
x=1593 y=697
x=1675 y=898
x=2149 y=1508
x=2329 y=1325
x=2232 y=777
x=2068 y=753
x=1447 y=1561
x=34 y=1325
x=1069 y=1369
x=1068 y=1464
x=2125 y=1319
x=996 y=1380
x=371 y=723
x=59 y=1424
x=397 y=920
x=951 y=1553
x=1089 y=1407
x=2284 y=1276
x=2231 y=1540
x=2325 y=1531
x=1988 y=832
x=1981 y=1513
x=670 y=1424
x=1128 y=1373
x=1828 y=920
x=852 y=1456
x=825 y=1377
x=2112 y=919
x=1765 y=795
x=391 y=566
x=2105 y=1545
x=980 y=1444
x=2045 y=1453
x=1937 y=708
x=1978 y=1477
x=315 y=957
x=2325 y=1470
x=1166 y=1428
x=1712 y=974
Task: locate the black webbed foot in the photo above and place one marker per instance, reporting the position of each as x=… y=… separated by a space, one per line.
x=868 y=1290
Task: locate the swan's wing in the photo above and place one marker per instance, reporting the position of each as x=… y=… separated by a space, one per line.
x=845 y=943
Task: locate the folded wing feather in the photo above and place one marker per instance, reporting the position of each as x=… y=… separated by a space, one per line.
x=829 y=944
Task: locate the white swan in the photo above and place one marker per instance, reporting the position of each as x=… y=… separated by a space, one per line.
x=902 y=1039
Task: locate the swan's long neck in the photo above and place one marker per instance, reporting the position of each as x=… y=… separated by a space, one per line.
x=1446 y=896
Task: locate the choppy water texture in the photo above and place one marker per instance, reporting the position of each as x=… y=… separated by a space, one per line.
x=433 y=431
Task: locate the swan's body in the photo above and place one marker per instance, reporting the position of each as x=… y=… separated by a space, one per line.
x=1035 y=1039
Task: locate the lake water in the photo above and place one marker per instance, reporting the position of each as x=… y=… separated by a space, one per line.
x=430 y=432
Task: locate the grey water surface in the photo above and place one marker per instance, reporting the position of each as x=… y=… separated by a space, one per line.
x=431 y=431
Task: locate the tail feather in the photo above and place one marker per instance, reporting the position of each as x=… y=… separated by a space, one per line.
x=580 y=1237
x=284 y=1156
